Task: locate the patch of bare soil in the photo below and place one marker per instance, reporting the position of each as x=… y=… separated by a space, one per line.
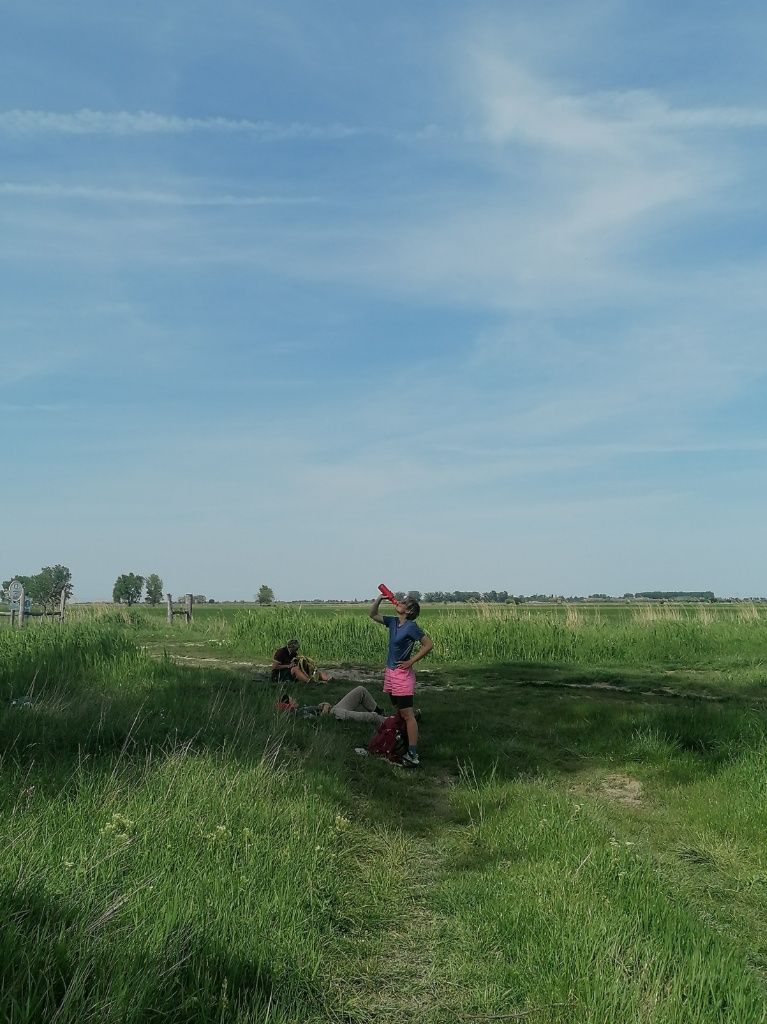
x=365 y=676
x=661 y=691
x=622 y=789
x=219 y=662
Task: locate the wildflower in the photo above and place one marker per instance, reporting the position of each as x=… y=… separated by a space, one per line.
x=119 y=824
x=218 y=832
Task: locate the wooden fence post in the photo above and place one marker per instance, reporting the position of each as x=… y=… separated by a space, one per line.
x=62 y=604
x=189 y=600
x=21 y=608
x=169 y=600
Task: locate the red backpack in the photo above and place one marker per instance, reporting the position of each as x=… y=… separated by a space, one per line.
x=390 y=740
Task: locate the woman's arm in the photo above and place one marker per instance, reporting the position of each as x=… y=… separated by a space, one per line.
x=426 y=646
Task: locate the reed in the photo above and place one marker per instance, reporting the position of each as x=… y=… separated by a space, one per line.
x=48 y=655
x=491 y=634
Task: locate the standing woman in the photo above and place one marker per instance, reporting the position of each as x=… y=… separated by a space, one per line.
x=399 y=677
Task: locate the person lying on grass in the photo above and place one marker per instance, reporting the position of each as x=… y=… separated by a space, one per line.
x=399 y=677
x=288 y=664
x=357 y=706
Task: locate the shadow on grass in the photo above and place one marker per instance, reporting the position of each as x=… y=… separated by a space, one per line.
x=481 y=717
x=54 y=959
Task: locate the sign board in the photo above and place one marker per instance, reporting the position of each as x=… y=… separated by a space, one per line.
x=14 y=605
x=15 y=591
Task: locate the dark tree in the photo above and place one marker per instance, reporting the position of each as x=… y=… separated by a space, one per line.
x=127 y=588
x=154 y=587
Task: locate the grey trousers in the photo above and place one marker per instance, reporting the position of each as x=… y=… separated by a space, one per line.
x=357 y=706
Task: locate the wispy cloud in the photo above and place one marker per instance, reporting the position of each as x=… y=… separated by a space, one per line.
x=577 y=186
x=525 y=107
x=124 y=123
x=146 y=122
x=101 y=194
x=33 y=408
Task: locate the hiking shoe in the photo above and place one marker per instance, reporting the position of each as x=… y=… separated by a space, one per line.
x=411 y=759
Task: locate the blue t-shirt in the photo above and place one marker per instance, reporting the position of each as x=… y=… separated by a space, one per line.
x=402 y=639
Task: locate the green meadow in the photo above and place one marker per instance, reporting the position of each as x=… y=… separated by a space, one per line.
x=583 y=844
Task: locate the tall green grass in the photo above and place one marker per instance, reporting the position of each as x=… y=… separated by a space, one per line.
x=179 y=889
x=48 y=655
x=173 y=849
x=490 y=635
x=548 y=911
x=163 y=854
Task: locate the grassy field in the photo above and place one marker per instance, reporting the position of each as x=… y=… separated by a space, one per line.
x=583 y=844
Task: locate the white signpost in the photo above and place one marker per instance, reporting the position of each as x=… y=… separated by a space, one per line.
x=16 y=600
x=20 y=606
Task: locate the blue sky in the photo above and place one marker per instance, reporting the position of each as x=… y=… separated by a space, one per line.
x=449 y=295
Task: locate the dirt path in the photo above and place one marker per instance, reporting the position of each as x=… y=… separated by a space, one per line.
x=429 y=680
x=261 y=669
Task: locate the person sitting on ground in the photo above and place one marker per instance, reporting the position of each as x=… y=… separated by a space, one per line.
x=356 y=706
x=288 y=664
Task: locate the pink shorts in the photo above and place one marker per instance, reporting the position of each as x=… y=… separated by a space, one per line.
x=399 y=682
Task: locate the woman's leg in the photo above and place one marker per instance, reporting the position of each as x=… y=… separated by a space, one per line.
x=350 y=701
x=360 y=698
x=348 y=707
x=366 y=698
x=357 y=716
x=412 y=726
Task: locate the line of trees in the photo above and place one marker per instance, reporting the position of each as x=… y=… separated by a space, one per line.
x=45 y=587
x=455 y=596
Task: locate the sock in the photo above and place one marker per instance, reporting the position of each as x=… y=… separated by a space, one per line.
x=413 y=750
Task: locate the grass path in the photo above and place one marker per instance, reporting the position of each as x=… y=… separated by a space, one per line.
x=399 y=977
